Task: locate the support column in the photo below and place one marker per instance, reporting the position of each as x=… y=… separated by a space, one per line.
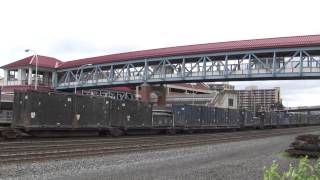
x=5 y=78
x=54 y=79
x=30 y=76
x=19 y=76
x=22 y=76
x=137 y=93
x=162 y=97
x=145 y=92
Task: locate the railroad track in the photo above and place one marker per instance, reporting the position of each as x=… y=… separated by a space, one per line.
x=17 y=152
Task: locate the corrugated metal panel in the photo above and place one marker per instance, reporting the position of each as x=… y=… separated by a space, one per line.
x=193 y=116
x=220 y=116
x=207 y=116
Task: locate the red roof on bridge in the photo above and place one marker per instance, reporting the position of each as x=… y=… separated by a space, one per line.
x=281 y=42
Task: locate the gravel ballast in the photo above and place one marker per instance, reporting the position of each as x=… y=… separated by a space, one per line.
x=236 y=160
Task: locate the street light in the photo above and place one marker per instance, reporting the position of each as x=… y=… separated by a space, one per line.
x=78 y=79
x=35 y=54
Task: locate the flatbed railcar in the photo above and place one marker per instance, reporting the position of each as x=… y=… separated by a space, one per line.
x=61 y=114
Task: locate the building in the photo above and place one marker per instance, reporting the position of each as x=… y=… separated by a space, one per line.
x=221 y=87
x=196 y=94
x=22 y=74
x=254 y=99
x=1 y=81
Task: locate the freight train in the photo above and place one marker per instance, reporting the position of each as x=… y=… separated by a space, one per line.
x=59 y=114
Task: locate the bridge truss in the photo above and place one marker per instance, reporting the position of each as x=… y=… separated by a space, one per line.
x=263 y=64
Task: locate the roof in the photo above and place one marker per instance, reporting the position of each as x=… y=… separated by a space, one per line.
x=254 y=44
x=121 y=88
x=195 y=86
x=43 y=61
x=280 y=42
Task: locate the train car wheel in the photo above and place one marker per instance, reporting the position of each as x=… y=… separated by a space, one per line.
x=171 y=131
x=10 y=134
x=188 y=131
x=116 y=132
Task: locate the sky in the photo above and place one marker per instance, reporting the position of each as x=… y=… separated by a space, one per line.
x=73 y=29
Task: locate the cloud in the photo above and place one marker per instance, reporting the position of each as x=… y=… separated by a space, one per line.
x=71 y=46
x=71 y=49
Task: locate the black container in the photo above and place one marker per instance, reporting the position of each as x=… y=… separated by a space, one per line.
x=193 y=116
x=283 y=119
x=234 y=117
x=274 y=116
x=179 y=115
x=119 y=113
x=139 y=114
x=19 y=106
x=220 y=116
x=52 y=109
x=59 y=111
x=34 y=109
x=249 y=120
x=92 y=112
x=266 y=119
x=208 y=116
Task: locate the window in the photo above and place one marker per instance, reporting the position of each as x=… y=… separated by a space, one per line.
x=13 y=75
x=230 y=102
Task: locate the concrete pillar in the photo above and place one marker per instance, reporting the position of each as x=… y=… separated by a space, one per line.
x=19 y=76
x=162 y=96
x=145 y=92
x=45 y=76
x=30 y=76
x=54 y=79
x=137 y=93
x=22 y=76
x=5 y=78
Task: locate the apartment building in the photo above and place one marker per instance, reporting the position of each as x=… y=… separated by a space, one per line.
x=254 y=99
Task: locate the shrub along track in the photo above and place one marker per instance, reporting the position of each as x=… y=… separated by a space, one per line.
x=53 y=149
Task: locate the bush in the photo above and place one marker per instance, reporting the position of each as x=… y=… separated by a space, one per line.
x=304 y=171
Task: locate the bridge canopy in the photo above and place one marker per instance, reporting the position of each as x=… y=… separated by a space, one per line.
x=254 y=44
x=296 y=57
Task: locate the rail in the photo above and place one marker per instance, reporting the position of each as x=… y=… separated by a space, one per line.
x=17 y=152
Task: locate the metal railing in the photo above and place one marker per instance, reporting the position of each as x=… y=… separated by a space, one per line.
x=245 y=65
x=45 y=83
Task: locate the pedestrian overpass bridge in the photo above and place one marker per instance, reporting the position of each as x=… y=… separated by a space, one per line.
x=262 y=59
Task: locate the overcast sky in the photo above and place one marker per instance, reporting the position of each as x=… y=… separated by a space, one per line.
x=75 y=29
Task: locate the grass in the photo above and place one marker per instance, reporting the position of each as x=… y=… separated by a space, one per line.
x=304 y=171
